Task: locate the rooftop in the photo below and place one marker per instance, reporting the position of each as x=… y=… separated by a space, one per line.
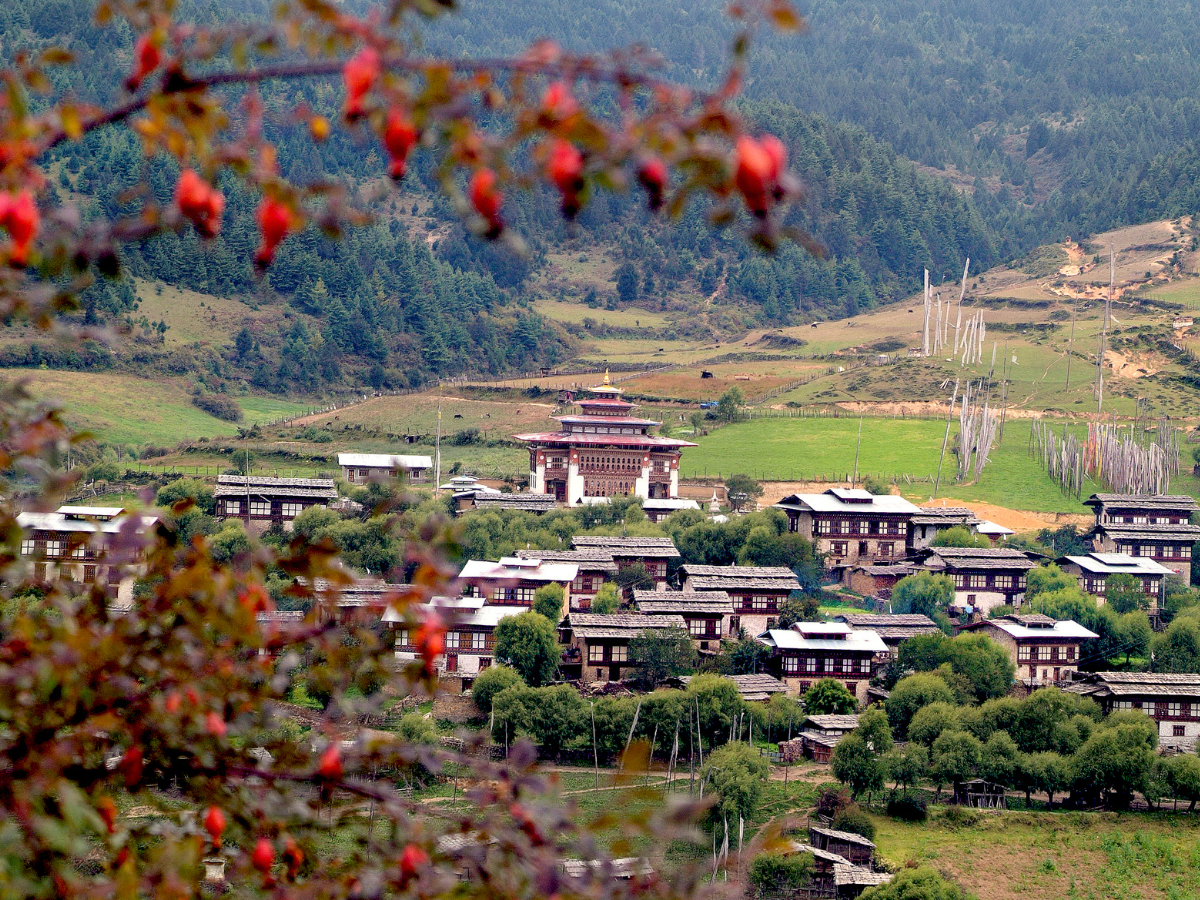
x=1137 y=684
x=1117 y=563
x=241 y=485
x=384 y=461
x=848 y=501
x=833 y=723
x=1034 y=628
x=751 y=687
x=627 y=546
x=603 y=440
x=74 y=523
x=845 y=837
x=518 y=570
x=592 y=626
x=1143 y=501
x=654 y=602
x=855 y=641
x=588 y=560
x=944 y=515
x=523 y=501
x=981 y=558
x=1182 y=531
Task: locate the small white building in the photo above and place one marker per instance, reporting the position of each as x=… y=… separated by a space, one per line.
x=363 y=468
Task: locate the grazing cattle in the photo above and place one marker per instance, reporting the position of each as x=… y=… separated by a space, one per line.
x=704 y=374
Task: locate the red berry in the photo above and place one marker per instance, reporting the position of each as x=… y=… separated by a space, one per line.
x=108 y=812
x=399 y=136
x=359 y=75
x=215 y=725
x=173 y=702
x=214 y=824
x=200 y=202
x=558 y=102
x=753 y=175
x=430 y=640
x=131 y=766
x=486 y=199
x=192 y=697
x=255 y=599
x=263 y=856
x=652 y=174
x=566 y=171
x=275 y=220
x=20 y=217
x=293 y=856
x=413 y=860
x=330 y=765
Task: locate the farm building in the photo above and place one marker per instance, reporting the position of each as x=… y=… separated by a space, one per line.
x=652 y=553
x=363 y=468
x=600 y=644
x=512 y=581
x=757 y=592
x=876 y=579
x=595 y=568
x=1145 y=525
x=751 y=688
x=87 y=545
x=603 y=452
x=984 y=577
x=262 y=503
x=821 y=734
x=659 y=508
x=1094 y=570
x=851 y=526
x=1044 y=651
x=470 y=636
x=854 y=847
x=1172 y=701
x=707 y=614
x=893 y=629
x=980 y=794
x=809 y=651
x=930 y=521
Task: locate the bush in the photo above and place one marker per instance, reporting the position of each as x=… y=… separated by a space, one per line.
x=779 y=874
x=832 y=800
x=908 y=809
x=961 y=816
x=492 y=681
x=853 y=819
x=219 y=405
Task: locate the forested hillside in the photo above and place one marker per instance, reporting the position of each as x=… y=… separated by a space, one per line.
x=1056 y=122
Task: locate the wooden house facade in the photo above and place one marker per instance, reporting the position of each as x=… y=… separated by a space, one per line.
x=600 y=643
x=1045 y=651
x=363 y=468
x=893 y=628
x=512 y=581
x=262 y=503
x=654 y=554
x=851 y=526
x=984 y=577
x=757 y=592
x=1171 y=700
x=1157 y=527
x=706 y=614
x=810 y=651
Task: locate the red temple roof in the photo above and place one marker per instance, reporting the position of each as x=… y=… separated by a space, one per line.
x=601 y=440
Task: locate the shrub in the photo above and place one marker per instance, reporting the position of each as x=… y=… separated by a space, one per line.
x=832 y=800
x=908 y=809
x=779 y=874
x=853 y=819
x=492 y=681
x=219 y=405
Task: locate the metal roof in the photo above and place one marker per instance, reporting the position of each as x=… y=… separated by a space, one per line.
x=485 y=570
x=855 y=641
x=384 y=461
x=588 y=560
x=670 y=503
x=606 y=420
x=1062 y=629
x=71 y=524
x=844 y=501
x=1117 y=563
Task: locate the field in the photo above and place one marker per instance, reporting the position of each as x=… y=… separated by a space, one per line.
x=1073 y=856
x=130 y=410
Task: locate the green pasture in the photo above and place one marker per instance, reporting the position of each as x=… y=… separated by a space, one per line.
x=1073 y=856
x=577 y=313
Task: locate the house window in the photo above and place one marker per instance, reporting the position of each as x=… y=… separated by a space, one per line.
x=620 y=653
x=977 y=581
x=595 y=653
x=53 y=548
x=484 y=662
x=1178 y=731
x=89 y=574
x=28 y=546
x=1121 y=704
x=478 y=640
x=864 y=665
x=791 y=665
x=402 y=637
x=852 y=687
x=452 y=639
x=260 y=508
x=233 y=507
x=1173 y=709
x=291 y=510
x=703 y=627
x=1022 y=654
x=1044 y=653
x=1160 y=710
x=886 y=549
x=838 y=548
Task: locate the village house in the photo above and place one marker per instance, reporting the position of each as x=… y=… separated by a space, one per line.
x=706 y=614
x=1146 y=525
x=363 y=468
x=810 y=651
x=652 y=553
x=854 y=847
x=850 y=525
x=87 y=545
x=930 y=521
x=893 y=628
x=470 y=637
x=984 y=577
x=822 y=733
x=757 y=592
x=262 y=503
x=513 y=581
x=658 y=509
x=876 y=580
x=833 y=875
x=521 y=502
x=1094 y=570
x=1172 y=701
x=1045 y=651
x=595 y=568
x=599 y=644
x=603 y=452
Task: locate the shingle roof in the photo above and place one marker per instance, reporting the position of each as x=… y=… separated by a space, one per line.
x=236 y=486
x=587 y=560
x=800 y=847
x=729 y=577
x=893 y=628
x=981 y=558
x=833 y=723
x=1150 y=532
x=858 y=876
x=684 y=602
x=1144 y=501
x=619 y=625
x=945 y=515
x=1137 y=684
x=527 y=502
x=843 y=836
x=627 y=546
x=751 y=687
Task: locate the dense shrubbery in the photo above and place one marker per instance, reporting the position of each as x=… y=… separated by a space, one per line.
x=219 y=405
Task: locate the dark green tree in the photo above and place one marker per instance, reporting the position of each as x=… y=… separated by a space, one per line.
x=661 y=654
x=529 y=644
x=857 y=766
x=829 y=697
x=924 y=593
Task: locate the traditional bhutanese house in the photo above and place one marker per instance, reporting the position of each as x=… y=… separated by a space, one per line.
x=809 y=651
x=603 y=452
x=87 y=545
x=595 y=568
x=1044 y=651
x=470 y=636
x=893 y=628
x=850 y=525
x=601 y=643
x=876 y=579
x=852 y=880
x=930 y=521
x=512 y=581
x=1146 y=525
x=363 y=597
x=1172 y=701
x=658 y=509
x=706 y=613
x=823 y=881
x=363 y=468
x=821 y=734
x=751 y=688
x=262 y=502
x=1094 y=570
x=854 y=847
x=522 y=502
x=757 y=592
x=984 y=577
x=652 y=553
